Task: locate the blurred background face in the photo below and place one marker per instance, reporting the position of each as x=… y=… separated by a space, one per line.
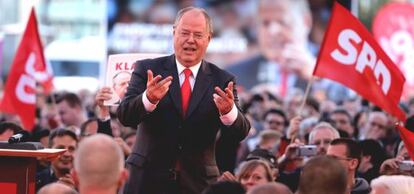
x=65 y=162
x=376 y=126
x=255 y=177
x=342 y=122
x=274 y=122
x=68 y=115
x=322 y=138
x=191 y=38
x=275 y=29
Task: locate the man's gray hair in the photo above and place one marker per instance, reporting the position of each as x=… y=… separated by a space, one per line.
x=209 y=22
x=323 y=125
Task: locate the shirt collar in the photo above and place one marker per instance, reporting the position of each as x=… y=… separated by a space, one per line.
x=194 y=69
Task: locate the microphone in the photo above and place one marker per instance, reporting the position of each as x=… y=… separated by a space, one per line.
x=21 y=136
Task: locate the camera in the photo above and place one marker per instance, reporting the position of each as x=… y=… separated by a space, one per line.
x=406 y=165
x=306 y=150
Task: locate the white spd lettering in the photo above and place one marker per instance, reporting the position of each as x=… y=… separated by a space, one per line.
x=366 y=58
x=27 y=80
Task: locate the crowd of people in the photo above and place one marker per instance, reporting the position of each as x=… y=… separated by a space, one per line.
x=239 y=134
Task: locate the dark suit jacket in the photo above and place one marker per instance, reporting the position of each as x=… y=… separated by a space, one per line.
x=45 y=177
x=163 y=136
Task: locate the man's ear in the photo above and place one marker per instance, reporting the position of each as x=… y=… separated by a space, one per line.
x=75 y=177
x=123 y=177
x=353 y=164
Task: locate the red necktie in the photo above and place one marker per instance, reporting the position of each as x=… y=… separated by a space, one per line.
x=186 y=91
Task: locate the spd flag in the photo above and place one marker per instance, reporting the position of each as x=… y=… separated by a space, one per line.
x=351 y=56
x=28 y=69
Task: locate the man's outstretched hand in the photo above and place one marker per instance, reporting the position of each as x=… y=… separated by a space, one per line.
x=224 y=100
x=157 y=87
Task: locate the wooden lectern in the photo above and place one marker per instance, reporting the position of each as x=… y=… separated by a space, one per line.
x=18 y=169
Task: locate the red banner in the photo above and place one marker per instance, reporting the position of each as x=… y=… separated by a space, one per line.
x=28 y=68
x=351 y=56
x=408 y=137
x=392 y=28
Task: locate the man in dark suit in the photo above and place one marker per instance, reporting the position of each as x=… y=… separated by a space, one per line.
x=179 y=113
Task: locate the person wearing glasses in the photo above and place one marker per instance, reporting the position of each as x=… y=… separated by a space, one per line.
x=349 y=153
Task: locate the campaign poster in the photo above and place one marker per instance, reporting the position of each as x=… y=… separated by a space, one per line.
x=118 y=73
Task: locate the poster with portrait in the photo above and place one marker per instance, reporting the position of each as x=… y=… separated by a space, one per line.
x=118 y=73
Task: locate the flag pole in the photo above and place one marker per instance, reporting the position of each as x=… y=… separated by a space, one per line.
x=302 y=105
x=305 y=96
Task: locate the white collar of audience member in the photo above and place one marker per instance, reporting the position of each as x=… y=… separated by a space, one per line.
x=194 y=69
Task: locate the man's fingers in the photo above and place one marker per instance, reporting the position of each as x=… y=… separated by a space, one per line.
x=229 y=93
x=150 y=75
x=220 y=92
x=154 y=81
x=230 y=86
x=164 y=81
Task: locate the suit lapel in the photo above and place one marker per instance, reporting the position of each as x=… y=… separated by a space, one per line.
x=175 y=90
x=203 y=81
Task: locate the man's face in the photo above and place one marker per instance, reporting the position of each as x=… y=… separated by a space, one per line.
x=339 y=152
x=121 y=83
x=68 y=115
x=322 y=139
x=376 y=127
x=91 y=128
x=342 y=122
x=274 y=122
x=275 y=30
x=65 y=162
x=130 y=141
x=191 y=38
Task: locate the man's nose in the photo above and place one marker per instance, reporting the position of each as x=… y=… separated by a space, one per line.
x=190 y=38
x=274 y=28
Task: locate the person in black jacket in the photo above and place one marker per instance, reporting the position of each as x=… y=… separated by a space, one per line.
x=179 y=103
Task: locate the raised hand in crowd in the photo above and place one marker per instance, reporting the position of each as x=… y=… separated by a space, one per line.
x=103 y=94
x=390 y=166
x=227 y=176
x=290 y=154
x=157 y=87
x=68 y=180
x=293 y=128
x=124 y=146
x=394 y=166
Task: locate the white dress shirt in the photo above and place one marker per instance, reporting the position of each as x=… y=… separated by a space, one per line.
x=227 y=119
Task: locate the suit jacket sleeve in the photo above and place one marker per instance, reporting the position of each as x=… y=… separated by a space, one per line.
x=105 y=127
x=241 y=126
x=131 y=111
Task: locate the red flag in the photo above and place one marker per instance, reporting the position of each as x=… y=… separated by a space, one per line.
x=408 y=137
x=351 y=56
x=28 y=68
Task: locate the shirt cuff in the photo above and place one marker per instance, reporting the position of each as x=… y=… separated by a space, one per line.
x=229 y=118
x=106 y=118
x=149 y=107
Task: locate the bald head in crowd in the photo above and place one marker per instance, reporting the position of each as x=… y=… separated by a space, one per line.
x=54 y=188
x=99 y=165
x=270 y=188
